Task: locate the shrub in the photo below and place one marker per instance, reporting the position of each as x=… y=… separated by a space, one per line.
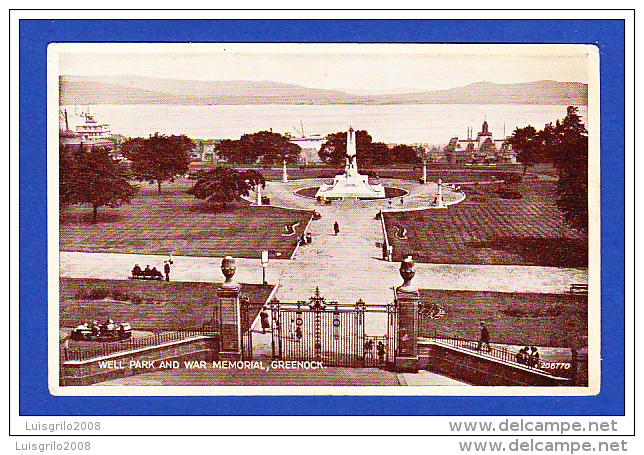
x=507 y=193
x=516 y=311
x=98 y=294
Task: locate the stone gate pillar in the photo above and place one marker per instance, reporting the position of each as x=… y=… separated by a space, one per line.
x=229 y=310
x=407 y=298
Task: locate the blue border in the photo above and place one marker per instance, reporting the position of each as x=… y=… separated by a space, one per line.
x=35 y=35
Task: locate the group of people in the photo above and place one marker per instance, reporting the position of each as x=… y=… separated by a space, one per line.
x=430 y=310
x=380 y=350
x=148 y=272
x=402 y=201
x=528 y=356
x=305 y=239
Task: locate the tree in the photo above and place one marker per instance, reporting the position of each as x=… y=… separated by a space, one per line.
x=223 y=184
x=334 y=150
x=92 y=176
x=406 y=154
x=567 y=144
x=450 y=149
x=527 y=144
x=158 y=158
x=264 y=146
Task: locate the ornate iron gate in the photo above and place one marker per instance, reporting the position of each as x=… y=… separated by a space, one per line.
x=360 y=335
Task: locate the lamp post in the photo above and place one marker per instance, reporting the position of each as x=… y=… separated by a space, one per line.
x=264 y=265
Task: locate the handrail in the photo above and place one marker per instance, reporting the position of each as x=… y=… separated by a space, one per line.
x=501 y=354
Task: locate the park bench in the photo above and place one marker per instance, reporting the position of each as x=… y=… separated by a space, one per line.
x=143 y=276
x=578 y=288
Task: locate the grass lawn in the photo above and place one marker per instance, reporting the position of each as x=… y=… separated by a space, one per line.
x=175 y=222
x=153 y=305
x=487 y=229
x=512 y=318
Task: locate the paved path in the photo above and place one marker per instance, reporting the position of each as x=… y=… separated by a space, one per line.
x=328 y=377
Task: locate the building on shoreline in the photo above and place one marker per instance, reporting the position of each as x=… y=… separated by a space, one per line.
x=204 y=150
x=482 y=150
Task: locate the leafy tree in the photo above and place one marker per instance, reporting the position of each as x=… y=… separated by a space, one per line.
x=334 y=150
x=450 y=150
x=158 y=158
x=379 y=153
x=527 y=144
x=264 y=146
x=567 y=143
x=92 y=176
x=223 y=184
x=407 y=154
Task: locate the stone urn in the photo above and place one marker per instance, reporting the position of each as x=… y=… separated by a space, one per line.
x=407 y=273
x=228 y=268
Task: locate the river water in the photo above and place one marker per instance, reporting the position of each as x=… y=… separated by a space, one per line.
x=433 y=124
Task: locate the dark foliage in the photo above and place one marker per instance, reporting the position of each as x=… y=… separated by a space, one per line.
x=569 y=151
x=222 y=185
x=92 y=176
x=528 y=145
x=158 y=158
x=264 y=146
x=334 y=150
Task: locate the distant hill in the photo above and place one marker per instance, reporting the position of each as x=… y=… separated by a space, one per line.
x=127 y=89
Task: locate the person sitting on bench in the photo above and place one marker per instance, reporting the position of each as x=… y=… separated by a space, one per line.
x=147 y=271
x=136 y=271
x=155 y=273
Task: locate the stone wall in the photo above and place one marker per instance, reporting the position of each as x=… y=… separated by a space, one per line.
x=480 y=370
x=87 y=372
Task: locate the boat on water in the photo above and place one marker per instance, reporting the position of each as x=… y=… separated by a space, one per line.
x=91 y=130
x=84 y=125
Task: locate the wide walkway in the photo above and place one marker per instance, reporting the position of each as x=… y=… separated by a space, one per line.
x=327 y=377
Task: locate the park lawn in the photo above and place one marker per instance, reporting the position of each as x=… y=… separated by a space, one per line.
x=175 y=222
x=528 y=319
x=487 y=229
x=153 y=305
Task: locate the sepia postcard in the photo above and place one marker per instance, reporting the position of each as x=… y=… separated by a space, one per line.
x=323 y=219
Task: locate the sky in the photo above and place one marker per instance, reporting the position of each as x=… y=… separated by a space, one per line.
x=360 y=69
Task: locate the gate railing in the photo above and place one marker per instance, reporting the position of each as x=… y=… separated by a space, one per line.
x=107 y=348
x=332 y=332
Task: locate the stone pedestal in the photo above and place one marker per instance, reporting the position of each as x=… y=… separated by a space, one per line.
x=440 y=204
x=351 y=184
x=259 y=194
x=229 y=313
x=284 y=174
x=407 y=299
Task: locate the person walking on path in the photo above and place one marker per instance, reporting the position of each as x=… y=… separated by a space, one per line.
x=485 y=337
x=166 y=269
x=336 y=228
